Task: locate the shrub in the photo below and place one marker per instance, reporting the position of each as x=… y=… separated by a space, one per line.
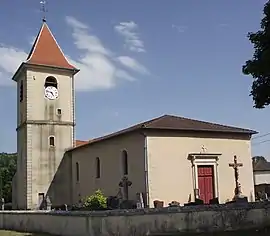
x=97 y=201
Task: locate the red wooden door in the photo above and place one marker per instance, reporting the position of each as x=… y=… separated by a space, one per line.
x=206 y=183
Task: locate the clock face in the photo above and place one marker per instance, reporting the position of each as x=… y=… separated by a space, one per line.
x=51 y=92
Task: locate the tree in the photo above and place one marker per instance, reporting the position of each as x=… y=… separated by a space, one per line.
x=8 y=163
x=259 y=66
x=97 y=201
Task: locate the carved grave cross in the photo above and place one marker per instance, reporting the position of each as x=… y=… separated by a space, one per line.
x=235 y=165
x=125 y=184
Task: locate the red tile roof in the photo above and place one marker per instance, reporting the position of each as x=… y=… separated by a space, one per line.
x=80 y=142
x=46 y=51
x=169 y=122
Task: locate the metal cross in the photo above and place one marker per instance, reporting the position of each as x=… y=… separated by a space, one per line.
x=235 y=165
x=43 y=9
x=125 y=183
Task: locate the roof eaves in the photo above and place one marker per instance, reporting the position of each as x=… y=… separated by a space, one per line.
x=202 y=130
x=15 y=76
x=74 y=70
x=106 y=137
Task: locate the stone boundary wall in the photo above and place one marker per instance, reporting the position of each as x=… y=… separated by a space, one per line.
x=165 y=221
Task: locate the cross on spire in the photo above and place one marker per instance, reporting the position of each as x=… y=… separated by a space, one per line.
x=235 y=165
x=43 y=9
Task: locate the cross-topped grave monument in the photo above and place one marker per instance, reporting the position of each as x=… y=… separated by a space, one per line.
x=125 y=184
x=235 y=165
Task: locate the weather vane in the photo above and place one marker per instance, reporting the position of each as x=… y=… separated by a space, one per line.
x=43 y=9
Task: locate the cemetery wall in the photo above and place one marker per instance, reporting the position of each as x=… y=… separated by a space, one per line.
x=165 y=221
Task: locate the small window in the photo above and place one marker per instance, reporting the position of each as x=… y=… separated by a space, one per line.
x=51 y=140
x=97 y=168
x=77 y=172
x=21 y=91
x=125 y=162
x=59 y=111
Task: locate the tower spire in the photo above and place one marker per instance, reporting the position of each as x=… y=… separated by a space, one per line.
x=43 y=9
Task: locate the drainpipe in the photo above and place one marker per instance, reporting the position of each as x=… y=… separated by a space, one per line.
x=71 y=178
x=73 y=112
x=146 y=170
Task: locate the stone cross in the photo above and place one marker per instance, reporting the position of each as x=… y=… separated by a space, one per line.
x=125 y=184
x=203 y=149
x=235 y=165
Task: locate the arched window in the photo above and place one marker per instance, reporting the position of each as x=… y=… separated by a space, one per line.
x=97 y=168
x=51 y=141
x=50 y=81
x=77 y=172
x=125 y=162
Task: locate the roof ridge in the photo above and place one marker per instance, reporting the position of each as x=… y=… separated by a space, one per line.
x=34 y=44
x=152 y=121
x=208 y=122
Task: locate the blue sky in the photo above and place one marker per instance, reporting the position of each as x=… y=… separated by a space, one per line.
x=141 y=59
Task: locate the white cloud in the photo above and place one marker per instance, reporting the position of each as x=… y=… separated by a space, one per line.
x=179 y=29
x=10 y=59
x=75 y=23
x=129 y=31
x=132 y=64
x=32 y=40
x=99 y=67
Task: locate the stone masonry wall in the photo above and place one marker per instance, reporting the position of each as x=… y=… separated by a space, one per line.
x=165 y=221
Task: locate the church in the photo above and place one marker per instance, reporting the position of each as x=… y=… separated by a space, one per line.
x=168 y=158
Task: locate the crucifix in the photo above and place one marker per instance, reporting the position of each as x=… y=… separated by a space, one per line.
x=125 y=184
x=235 y=165
x=43 y=9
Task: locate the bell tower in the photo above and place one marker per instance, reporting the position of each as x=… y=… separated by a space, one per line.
x=45 y=119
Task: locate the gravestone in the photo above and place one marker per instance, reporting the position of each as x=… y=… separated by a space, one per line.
x=195 y=203
x=48 y=204
x=140 y=203
x=2 y=204
x=113 y=202
x=128 y=204
x=214 y=201
x=158 y=204
x=174 y=204
x=199 y=201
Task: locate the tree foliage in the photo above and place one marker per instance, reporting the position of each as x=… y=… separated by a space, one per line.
x=259 y=66
x=97 y=201
x=7 y=170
